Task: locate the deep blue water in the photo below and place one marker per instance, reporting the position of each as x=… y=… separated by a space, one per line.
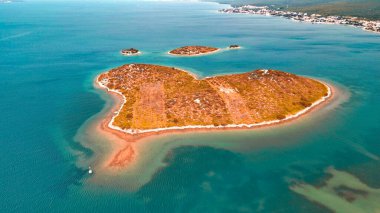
x=50 y=53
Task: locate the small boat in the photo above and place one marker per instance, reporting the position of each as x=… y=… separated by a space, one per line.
x=90 y=170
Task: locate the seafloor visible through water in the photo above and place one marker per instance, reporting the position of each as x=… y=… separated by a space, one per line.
x=52 y=51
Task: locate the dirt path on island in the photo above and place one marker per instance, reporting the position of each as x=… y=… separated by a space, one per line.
x=149 y=109
x=235 y=104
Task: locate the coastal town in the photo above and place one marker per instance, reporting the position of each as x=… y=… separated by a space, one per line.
x=373 y=26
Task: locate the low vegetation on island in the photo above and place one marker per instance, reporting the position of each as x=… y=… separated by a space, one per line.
x=161 y=97
x=130 y=51
x=234 y=46
x=193 y=50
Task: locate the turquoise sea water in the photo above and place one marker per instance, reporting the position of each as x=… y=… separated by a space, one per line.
x=50 y=53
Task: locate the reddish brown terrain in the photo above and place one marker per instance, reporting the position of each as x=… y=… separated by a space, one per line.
x=193 y=50
x=161 y=97
x=130 y=51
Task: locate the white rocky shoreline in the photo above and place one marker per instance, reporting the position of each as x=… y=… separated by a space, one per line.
x=194 y=127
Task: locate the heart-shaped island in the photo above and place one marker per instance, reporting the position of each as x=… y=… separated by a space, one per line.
x=159 y=98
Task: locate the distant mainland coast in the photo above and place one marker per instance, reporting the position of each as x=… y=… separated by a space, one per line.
x=152 y=100
x=365 y=24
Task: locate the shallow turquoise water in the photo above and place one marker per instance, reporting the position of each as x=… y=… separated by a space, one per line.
x=51 y=52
